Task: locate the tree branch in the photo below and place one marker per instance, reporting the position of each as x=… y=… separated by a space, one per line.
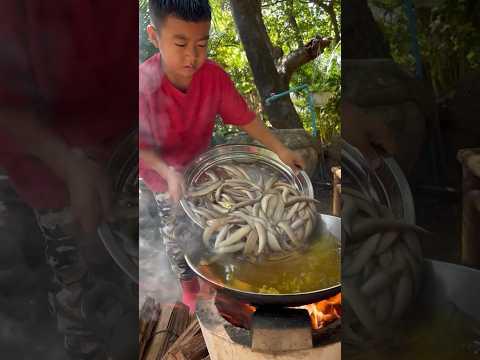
x=293 y=23
x=266 y=4
x=293 y=61
x=329 y=8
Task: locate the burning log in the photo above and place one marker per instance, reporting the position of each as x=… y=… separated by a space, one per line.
x=325 y=311
x=240 y=314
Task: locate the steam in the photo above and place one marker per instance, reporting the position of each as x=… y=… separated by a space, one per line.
x=156 y=277
x=27 y=330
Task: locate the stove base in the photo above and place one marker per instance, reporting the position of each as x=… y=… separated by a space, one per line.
x=225 y=341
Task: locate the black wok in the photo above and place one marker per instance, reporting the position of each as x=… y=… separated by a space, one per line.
x=443 y=323
x=195 y=251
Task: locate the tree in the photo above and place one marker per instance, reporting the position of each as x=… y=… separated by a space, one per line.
x=448 y=36
x=362 y=36
x=329 y=8
x=271 y=75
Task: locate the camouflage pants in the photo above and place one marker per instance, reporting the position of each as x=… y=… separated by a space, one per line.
x=74 y=282
x=172 y=246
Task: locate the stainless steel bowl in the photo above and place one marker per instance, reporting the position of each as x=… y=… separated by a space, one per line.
x=244 y=154
x=386 y=185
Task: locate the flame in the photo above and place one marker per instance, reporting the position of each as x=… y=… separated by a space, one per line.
x=240 y=313
x=324 y=312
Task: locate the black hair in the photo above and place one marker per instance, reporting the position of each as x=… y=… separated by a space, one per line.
x=188 y=10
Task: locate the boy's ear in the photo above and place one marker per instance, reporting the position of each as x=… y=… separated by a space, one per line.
x=152 y=35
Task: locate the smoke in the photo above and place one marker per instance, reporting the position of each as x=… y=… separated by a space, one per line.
x=154 y=120
x=27 y=329
x=156 y=277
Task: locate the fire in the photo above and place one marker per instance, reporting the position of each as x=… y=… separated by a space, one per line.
x=240 y=313
x=325 y=311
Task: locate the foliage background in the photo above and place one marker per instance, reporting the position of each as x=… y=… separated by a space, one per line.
x=448 y=39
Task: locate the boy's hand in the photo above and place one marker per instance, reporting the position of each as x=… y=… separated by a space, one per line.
x=371 y=136
x=292 y=159
x=90 y=191
x=367 y=132
x=176 y=184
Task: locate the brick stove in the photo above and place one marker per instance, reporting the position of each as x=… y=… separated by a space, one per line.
x=268 y=333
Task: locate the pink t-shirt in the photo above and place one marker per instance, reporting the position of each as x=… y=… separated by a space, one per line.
x=77 y=72
x=179 y=125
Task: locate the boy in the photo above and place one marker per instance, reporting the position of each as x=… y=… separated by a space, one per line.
x=181 y=92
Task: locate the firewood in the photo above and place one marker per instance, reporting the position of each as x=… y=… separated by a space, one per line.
x=196 y=348
x=190 y=345
x=171 y=323
x=149 y=315
x=146 y=314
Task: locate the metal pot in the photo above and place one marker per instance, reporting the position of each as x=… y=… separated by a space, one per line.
x=123 y=170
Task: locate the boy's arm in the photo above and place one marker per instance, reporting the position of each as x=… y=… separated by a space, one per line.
x=257 y=130
x=235 y=111
x=87 y=184
x=154 y=162
x=365 y=131
x=174 y=179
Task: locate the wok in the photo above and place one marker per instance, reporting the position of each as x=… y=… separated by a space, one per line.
x=451 y=283
x=326 y=224
x=443 y=323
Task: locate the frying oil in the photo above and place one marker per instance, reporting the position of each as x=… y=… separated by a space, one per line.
x=311 y=269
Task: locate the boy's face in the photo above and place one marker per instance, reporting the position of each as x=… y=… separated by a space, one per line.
x=182 y=45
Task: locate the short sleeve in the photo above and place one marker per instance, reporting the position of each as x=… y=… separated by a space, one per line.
x=150 y=104
x=146 y=140
x=233 y=107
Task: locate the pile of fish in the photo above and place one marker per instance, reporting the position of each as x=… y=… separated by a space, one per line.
x=381 y=267
x=253 y=215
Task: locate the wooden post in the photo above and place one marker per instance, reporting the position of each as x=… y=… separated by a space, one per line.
x=337 y=181
x=470 y=159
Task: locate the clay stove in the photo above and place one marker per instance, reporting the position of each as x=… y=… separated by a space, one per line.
x=270 y=333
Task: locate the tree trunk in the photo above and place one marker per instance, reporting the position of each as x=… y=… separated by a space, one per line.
x=253 y=34
x=362 y=38
x=299 y=57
